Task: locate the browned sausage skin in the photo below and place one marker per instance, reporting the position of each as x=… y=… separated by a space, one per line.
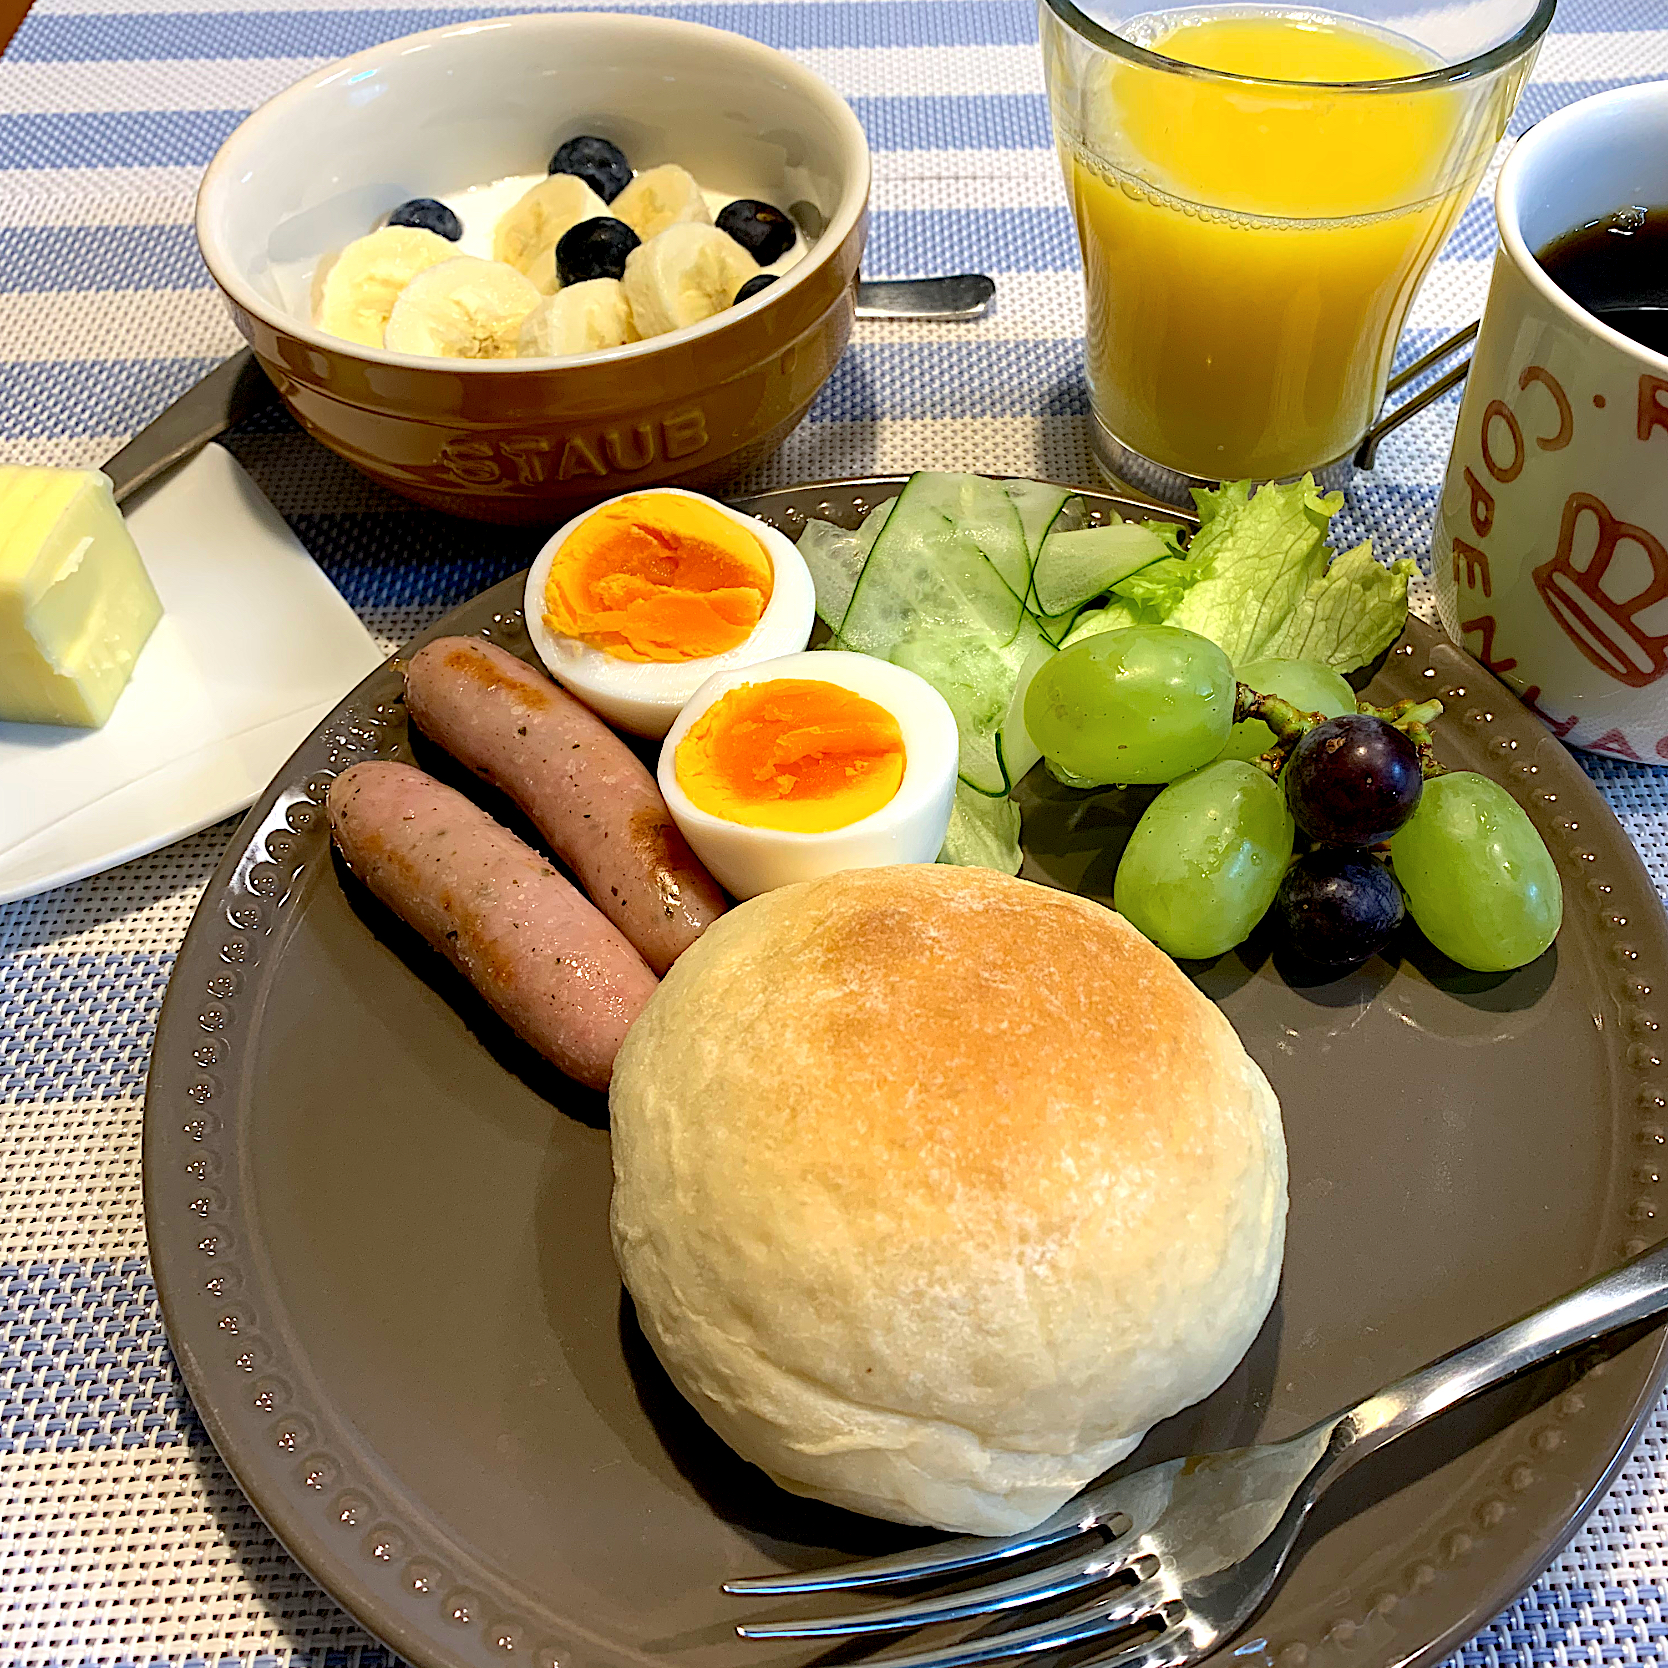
x=549 y=965
x=584 y=790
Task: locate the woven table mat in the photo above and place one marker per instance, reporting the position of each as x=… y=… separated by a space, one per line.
x=122 y=1538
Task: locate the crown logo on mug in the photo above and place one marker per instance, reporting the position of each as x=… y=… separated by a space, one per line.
x=1607 y=629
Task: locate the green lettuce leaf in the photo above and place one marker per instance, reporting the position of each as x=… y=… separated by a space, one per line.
x=1353 y=612
x=1160 y=586
x=983 y=832
x=1155 y=589
x=1256 y=555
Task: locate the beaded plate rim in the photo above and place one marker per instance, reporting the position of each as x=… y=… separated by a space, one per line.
x=432 y=1604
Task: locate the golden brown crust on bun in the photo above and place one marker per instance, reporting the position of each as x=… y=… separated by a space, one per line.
x=935 y=1189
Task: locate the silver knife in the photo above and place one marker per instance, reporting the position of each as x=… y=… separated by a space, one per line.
x=239 y=388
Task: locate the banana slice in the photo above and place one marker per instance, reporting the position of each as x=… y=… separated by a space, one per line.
x=658 y=198
x=463 y=308
x=533 y=224
x=685 y=275
x=542 y=273
x=354 y=294
x=580 y=319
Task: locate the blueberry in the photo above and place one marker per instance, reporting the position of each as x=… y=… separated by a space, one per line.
x=428 y=216
x=766 y=233
x=594 y=249
x=752 y=287
x=601 y=165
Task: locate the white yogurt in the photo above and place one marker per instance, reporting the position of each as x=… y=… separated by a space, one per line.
x=482 y=206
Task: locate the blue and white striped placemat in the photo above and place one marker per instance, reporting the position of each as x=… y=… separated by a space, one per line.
x=122 y=1539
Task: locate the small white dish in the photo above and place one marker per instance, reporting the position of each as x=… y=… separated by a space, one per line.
x=254 y=649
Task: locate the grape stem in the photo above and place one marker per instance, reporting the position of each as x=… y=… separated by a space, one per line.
x=1290 y=724
x=1413 y=719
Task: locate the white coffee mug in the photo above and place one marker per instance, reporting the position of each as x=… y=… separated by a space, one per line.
x=1551 y=550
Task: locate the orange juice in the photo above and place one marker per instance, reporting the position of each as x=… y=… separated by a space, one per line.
x=1250 y=247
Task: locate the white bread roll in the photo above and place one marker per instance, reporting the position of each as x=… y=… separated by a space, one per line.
x=934 y=1189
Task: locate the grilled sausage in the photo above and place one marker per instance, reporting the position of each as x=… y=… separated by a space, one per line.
x=548 y=964
x=584 y=790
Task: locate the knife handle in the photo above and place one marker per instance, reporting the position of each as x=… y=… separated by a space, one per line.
x=224 y=397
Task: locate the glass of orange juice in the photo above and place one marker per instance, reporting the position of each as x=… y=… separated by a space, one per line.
x=1258 y=190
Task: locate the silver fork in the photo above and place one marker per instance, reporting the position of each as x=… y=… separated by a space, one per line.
x=1195 y=1544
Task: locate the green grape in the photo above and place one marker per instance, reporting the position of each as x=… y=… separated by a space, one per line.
x=1479 y=879
x=1305 y=683
x=1206 y=859
x=1142 y=704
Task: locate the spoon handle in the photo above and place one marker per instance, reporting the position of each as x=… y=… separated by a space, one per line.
x=963 y=297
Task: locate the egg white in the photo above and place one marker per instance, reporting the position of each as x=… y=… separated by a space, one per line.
x=909 y=828
x=644 y=696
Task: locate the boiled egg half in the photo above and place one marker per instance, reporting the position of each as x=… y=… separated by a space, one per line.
x=635 y=604
x=810 y=764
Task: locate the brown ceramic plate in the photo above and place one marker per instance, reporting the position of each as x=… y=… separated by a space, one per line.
x=378 y=1227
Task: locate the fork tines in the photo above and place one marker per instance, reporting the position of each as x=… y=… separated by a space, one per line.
x=1053 y=1581
x=948 y=1558
x=1140 y=1602
x=1167 y=1647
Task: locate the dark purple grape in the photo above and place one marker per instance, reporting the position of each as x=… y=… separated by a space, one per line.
x=1338 y=904
x=1353 y=781
x=601 y=165
x=594 y=249
x=427 y=215
x=762 y=229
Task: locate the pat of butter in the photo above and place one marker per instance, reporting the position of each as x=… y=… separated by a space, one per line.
x=76 y=604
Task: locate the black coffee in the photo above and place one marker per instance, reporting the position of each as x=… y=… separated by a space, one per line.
x=1617 y=267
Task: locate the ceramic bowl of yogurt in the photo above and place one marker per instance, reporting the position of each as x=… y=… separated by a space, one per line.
x=471 y=115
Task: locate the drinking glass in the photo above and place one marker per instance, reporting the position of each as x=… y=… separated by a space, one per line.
x=1251 y=244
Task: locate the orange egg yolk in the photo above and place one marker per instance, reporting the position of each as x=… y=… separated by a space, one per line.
x=792 y=754
x=657 y=577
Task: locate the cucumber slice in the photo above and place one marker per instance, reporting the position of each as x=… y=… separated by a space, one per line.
x=1015 y=749
x=1074 y=566
x=990 y=518
x=930 y=569
x=976 y=675
x=1041 y=508
x=1057 y=627
x=835 y=556
x=1044 y=510
x=983 y=832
